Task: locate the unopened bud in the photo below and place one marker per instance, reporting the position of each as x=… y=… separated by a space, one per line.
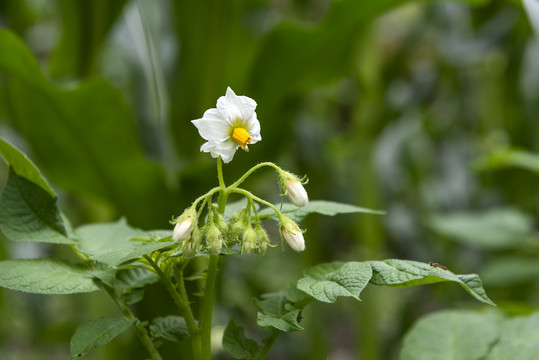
x=214 y=239
x=297 y=193
x=237 y=228
x=292 y=186
x=262 y=239
x=292 y=234
x=184 y=225
x=249 y=240
x=190 y=247
x=221 y=224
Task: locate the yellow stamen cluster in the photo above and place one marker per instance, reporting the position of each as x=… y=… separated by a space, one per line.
x=241 y=137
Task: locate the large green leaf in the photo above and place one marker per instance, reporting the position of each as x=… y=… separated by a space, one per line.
x=171 y=328
x=328 y=208
x=237 y=344
x=519 y=339
x=497 y=228
x=97 y=333
x=115 y=243
x=452 y=335
x=83 y=138
x=394 y=272
x=45 y=276
x=28 y=209
x=326 y=282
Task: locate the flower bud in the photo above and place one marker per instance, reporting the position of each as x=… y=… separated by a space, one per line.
x=292 y=234
x=297 y=193
x=292 y=186
x=184 y=225
x=190 y=247
x=221 y=224
x=214 y=239
x=237 y=229
x=249 y=240
x=262 y=240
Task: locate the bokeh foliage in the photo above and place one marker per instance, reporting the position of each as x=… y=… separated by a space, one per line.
x=422 y=109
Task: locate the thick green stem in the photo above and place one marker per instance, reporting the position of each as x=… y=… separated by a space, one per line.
x=207 y=306
x=182 y=302
x=140 y=330
x=211 y=278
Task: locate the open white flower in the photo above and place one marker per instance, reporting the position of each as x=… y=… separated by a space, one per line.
x=231 y=125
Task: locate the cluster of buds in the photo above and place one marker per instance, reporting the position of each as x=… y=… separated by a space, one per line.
x=251 y=239
x=187 y=232
x=242 y=228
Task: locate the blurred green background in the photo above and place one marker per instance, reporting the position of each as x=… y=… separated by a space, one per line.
x=397 y=105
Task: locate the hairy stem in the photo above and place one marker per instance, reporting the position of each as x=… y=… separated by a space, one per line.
x=252 y=170
x=256 y=198
x=211 y=279
x=182 y=302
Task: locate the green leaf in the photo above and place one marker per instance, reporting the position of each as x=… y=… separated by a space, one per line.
x=172 y=328
x=326 y=282
x=237 y=344
x=115 y=243
x=495 y=229
x=505 y=158
x=287 y=322
x=45 y=276
x=135 y=278
x=282 y=310
x=23 y=166
x=28 y=209
x=97 y=333
x=84 y=137
x=328 y=208
x=29 y=213
x=519 y=339
x=452 y=335
x=394 y=272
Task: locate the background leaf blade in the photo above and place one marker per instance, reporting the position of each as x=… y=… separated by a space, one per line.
x=45 y=276
x=97 y=333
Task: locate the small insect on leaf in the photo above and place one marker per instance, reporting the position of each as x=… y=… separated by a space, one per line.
x=436 y=265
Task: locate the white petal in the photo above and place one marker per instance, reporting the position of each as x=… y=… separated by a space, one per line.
x=235 y=107
x=212 y=126
x=253 y=125
x=208 y=147
x=226 y=150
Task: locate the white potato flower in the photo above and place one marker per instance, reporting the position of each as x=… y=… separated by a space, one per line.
x=231 y=125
